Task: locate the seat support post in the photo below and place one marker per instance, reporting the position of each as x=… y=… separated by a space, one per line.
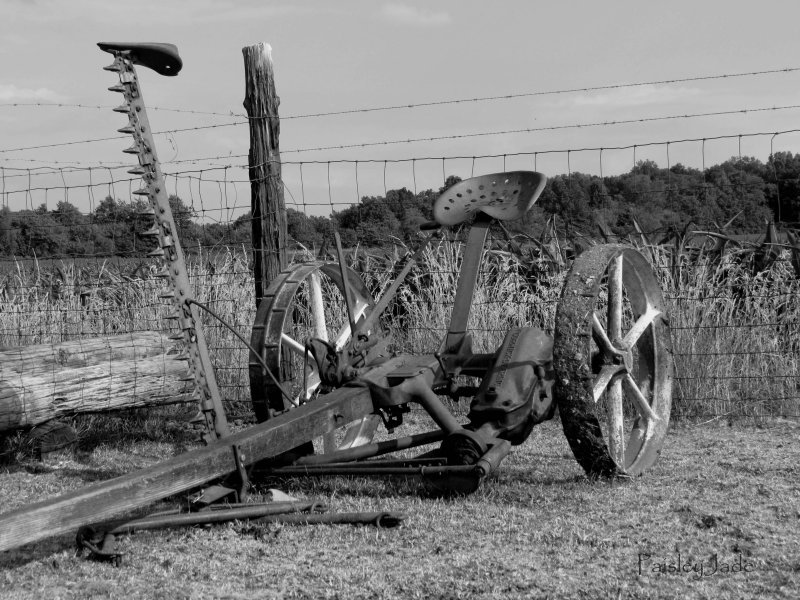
x=470 y=266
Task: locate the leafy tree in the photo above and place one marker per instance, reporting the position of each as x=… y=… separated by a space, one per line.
x=371 y=223
x=566 y=197
x=7 y=232
x=449 y=182
x=39 y=233
x=108 y=211
x=783 y=193
x=302 y=229
x=67 y=214
x=183 y=215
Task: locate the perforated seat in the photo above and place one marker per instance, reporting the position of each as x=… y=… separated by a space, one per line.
x=504 y=196
x=162 y=58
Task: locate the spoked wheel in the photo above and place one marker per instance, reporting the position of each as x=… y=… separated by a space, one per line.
x=307 y=301
x=613 y=362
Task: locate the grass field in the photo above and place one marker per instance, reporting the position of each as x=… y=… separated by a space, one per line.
x=538 y=529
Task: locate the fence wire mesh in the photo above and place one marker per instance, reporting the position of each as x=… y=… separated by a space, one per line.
x=73 y=263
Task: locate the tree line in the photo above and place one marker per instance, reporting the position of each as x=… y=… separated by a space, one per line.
x=113 y=228
x=743 y=191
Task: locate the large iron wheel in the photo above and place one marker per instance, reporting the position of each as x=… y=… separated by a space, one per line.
x=613 y=362
x=306 y=301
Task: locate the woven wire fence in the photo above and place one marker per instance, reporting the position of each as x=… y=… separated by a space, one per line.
x=73 y=265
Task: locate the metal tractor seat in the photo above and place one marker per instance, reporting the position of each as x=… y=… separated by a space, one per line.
x=503 y=196
x=162 y=58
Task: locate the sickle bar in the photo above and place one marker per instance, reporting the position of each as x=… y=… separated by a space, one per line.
x=169 y=248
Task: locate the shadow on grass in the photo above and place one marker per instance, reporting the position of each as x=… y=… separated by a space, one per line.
x=418 y=486
x=55 y=465
x=50 y=551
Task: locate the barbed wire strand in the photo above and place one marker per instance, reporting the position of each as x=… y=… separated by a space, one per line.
x=423 y=139
x=414 y=105
x=534 y=153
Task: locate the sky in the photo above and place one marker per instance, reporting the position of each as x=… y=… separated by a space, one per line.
x=350 y=55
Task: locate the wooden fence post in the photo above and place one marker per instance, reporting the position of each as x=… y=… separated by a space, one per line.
x=266 y=186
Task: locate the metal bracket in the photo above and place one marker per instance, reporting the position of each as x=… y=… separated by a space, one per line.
x=241 y=471
x=101 y=546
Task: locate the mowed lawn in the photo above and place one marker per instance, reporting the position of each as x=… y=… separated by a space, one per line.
x=723 y=498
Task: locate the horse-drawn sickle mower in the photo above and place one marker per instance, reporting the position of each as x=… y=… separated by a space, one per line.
x=608 y=366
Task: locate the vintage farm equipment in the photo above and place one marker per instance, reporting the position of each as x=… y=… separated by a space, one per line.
x=608 y=366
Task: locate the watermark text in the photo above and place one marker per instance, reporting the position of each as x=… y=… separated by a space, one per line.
x=679 y=565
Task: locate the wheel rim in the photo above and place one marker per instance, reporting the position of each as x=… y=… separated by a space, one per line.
x=613 y=362
x=303 y=302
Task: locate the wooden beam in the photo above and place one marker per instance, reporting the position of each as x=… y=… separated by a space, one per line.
x=108 y=499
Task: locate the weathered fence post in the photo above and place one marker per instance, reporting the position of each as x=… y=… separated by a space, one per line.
x=266 y=187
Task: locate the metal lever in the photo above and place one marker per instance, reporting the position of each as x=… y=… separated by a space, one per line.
x=383 y=303
x=348 y=299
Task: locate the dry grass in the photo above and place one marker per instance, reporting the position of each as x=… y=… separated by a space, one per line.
x=735 y=334
x=538 y=529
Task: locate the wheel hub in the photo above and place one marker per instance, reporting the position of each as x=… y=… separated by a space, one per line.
x=623 y=357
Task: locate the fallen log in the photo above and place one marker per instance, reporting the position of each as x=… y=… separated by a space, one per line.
x=47 y=381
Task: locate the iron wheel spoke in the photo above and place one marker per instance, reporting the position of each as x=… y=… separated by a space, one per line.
x=319 y=327
x=615 y=298
x=344 y=333
x=616 y=422
x=604 y=378
x=601 y=338
x=642 y=405
x=295 y=346
x=641 y=325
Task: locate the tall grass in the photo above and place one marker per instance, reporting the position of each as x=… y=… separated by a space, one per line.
x=735 y=333
x=735 y=336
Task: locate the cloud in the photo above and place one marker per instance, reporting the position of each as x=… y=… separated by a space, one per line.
x=411 y=15
x=196 y=11
x=12 y=93
x=636 y=96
